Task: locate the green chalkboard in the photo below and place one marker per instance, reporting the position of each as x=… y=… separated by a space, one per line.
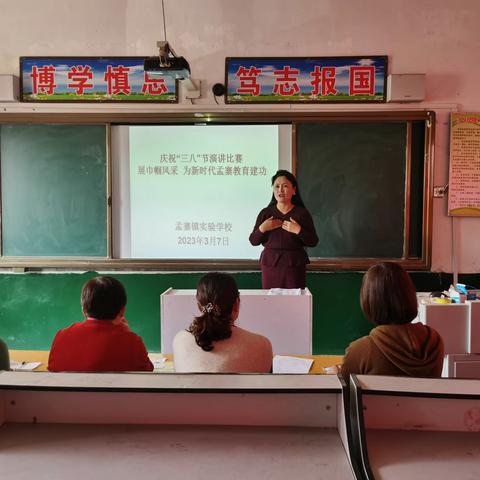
x=54 y=190
x=352 y=178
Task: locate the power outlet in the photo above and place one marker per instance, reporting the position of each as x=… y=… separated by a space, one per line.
x=191 y=88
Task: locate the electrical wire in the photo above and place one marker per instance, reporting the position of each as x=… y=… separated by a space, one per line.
x=164 y=24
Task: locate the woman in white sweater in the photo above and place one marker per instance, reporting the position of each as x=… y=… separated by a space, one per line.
x=213 y=343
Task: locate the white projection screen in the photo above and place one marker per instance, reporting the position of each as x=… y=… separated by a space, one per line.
x=192 y=191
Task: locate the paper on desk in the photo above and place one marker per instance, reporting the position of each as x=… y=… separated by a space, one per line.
x=285 y=291
x=284 y=364
x=333 y=370
x=158 y=363
x=24 y=365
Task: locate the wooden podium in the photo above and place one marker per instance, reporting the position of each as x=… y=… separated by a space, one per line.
x=286 y=320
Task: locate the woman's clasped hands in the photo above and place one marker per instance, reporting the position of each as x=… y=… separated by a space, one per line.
x=291 y=226
x=272 y=223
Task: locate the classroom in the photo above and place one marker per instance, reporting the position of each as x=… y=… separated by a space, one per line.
x=41 y=284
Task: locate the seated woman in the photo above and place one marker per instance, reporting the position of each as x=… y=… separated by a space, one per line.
x=213 y=343
x=103 y=342
x=395 y=346
x=4 y=357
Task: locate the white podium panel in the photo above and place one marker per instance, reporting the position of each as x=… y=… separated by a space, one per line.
x=462 y=365
x=286 y=320
x=457 y=323
x=474 y=337
x=451 y=321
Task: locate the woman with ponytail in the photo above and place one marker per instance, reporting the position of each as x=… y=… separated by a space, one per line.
x=213 y=343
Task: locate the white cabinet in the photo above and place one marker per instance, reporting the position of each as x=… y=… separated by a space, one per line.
x=459 y=326
x=451 y=321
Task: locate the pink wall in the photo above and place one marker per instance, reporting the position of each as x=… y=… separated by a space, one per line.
x=436 y=37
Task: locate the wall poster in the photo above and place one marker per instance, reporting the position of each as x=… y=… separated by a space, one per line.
x=464 y=173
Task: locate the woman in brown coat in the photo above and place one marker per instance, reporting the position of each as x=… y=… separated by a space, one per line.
x=395 y=346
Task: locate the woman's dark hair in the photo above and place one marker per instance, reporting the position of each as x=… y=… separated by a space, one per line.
x=388 y=295
x=216 y=296
x=296 y=199
x=103 y=298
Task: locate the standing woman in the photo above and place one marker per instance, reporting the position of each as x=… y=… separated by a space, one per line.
x=284 y=228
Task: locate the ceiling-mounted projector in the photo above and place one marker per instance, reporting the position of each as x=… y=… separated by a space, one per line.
x=167 y=64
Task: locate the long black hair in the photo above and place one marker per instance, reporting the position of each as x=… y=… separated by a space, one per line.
x=216 y=297
x=296 y=199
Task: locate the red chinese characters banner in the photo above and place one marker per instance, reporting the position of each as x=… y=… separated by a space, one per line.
x=306 y=80
x=464 y=177
x=92 y=79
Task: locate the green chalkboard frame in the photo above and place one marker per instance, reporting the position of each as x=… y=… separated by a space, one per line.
x=70 y=115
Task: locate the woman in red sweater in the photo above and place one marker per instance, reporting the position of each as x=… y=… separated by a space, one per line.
x=103 y=342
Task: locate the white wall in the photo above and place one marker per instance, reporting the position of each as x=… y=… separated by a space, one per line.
x=436 y=37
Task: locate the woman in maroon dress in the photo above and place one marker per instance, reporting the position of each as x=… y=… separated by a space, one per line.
x=284 y=228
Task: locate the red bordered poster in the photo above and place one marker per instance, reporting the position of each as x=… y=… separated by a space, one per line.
x=464 y=177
